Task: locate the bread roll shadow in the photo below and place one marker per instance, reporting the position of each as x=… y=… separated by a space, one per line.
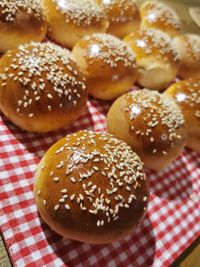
x=140 y=239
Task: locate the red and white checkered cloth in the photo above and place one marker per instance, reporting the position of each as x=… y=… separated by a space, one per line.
x=171 y=225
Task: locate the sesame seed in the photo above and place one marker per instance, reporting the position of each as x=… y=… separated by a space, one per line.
x=67 y=207
x=31 y=115
x=56 y=207
x=111 y=50
x=73 y=179
x=64 y=191
x=72 y=197
x=144 y=198
x=56 y=179
x=49 y=96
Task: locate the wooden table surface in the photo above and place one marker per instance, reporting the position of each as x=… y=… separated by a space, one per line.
x=191 y=257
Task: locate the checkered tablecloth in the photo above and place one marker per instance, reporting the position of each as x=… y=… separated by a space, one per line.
x=172 y=222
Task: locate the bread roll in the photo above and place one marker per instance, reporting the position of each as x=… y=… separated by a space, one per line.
x=160 y=16
x=156 y=60
x=123 y=16
x=151 y=123
x=20 y=22
x=108 y=63
x=70 y=20
x=187 y=47
x=41 y=87
x=186 y=93
x=91 y=187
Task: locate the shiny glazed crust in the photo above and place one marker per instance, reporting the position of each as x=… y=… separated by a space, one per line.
x=186 y=93
x=20 y=22
x=152 y=124
x=70 y=20
x=91 y=187
x=160 y=16
x=108 y=63
x=123 y=16
x=41 y=87
x=187 y=47
x=155 y=57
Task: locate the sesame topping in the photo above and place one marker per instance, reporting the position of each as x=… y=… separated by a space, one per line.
x=100 y=194
x=81 y=13
x=158 y=112
x=187 y=95
x=159 y=12
x=193 y=45
x=10 y=9
x=151 y=40
x=41 y=70
x=110 y=50
x=127 y=10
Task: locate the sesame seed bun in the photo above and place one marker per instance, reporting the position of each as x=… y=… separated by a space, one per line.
x=91 y=187
x=186 y=93
x=156 y=59
x=20 y=22
x=70 y=20
x=41 y=87
x=187 y=47
x=108 y=63
x=123 y=16
x=159 y=16
x=151 y=123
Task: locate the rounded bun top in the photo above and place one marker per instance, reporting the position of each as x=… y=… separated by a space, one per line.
x=88 y=186
x=188 y=47
x=160 y=16
x=18 y=12
x=161 y=115
x=150 y=42
x=82 y=13
x=107 y=51
x=45 y=78
x=187 y=95
x=9 y=9
x=120 y=10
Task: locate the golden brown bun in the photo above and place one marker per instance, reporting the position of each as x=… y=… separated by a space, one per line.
x=187 y=47
x=91 y=187
x=156 y=60
x=123 y=16
x=70 y=20
x=151 y=123
x=160 y=16
x=186 y=93
x=21 y=21
x=108 y=63
x=41 y=87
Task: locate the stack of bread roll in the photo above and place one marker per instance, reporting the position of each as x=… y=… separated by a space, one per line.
x=92 y=186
